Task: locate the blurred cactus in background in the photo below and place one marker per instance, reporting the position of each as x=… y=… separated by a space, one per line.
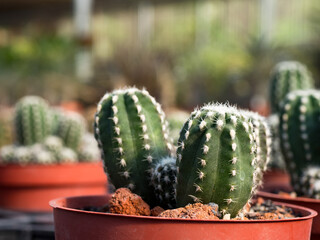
x=276 y=157
x=176 y=119
x=299 y=134
x=32 y=120
x=286 y=77
x=71 y=128
x=35 y=124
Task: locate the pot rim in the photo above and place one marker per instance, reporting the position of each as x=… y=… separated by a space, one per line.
x=56 y=204
x=274 y=195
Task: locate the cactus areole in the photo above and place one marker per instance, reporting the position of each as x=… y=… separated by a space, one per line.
x=131 y=131
x=217 y=159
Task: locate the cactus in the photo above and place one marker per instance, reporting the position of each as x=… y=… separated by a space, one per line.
x=88 y=150
x=300 y=130
x=66 y=155
x=132 y=133
x=40 y=154
x=217 y=159
x=286 y=77
x=32 y=120
x=176 y=119
x=310 y=182
x=276 y=158
x=7 y=154
x=163 y=180
x=71 y=129
x=262 y=138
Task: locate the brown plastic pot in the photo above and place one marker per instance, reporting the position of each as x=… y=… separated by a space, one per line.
x=300 y=201
x=31 y=187
x=276 y=180
x=73 y=223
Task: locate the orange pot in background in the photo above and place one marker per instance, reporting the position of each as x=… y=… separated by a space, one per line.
x=31 y=187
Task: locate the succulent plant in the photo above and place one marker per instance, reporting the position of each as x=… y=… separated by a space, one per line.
x=71 y=129
x=310 y=182
x=32 y=120
x=300 y=131
x=276 y=157
x=218 y=158
x=176 y=119
x=132 y=133
x=7 y=154
x=287 y=76
x=163 y=180
x=66 y=155
x=88 y=150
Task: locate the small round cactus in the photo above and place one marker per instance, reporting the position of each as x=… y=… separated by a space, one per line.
x=132 y=133
x=299 y=132
x=66 y=155
x=286 y=77
x=7 y=154
x=32 y=120
x=71 y=129
x=217 y=158
x=163 y=180
x=310 y=182
x=88 y=150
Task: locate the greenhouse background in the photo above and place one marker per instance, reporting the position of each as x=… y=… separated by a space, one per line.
x=185 y=53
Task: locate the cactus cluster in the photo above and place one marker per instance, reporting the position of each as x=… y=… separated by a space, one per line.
x=286 y=77
x=47 y=136
x=71 y=129
x=300 y=131
x=32 y=120
x=132 y=132
x=221 y=152
x=220 y=157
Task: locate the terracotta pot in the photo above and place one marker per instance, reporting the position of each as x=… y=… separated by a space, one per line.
x=72 y=223
x=300 y=201
x=31 y=187
x=275 y=180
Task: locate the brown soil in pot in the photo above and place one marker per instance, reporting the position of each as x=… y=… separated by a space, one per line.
x=124 y=201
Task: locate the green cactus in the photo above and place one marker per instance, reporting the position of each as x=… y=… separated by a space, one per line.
x=132 y=132
x=286 y=77
x=71 y=129
x=32 y=120
x=217 y=159
x=7 y=154
x=300 y=130
x=276 y=158
x=176 y=119
x=163 y=180
x=310 y=182
x=262 y=138
x=88 y=150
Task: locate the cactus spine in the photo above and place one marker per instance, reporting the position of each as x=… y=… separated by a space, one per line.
x=300 y=131
x=131 y=131
x=32 y=120
x=286 y=77
x=217 y=159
